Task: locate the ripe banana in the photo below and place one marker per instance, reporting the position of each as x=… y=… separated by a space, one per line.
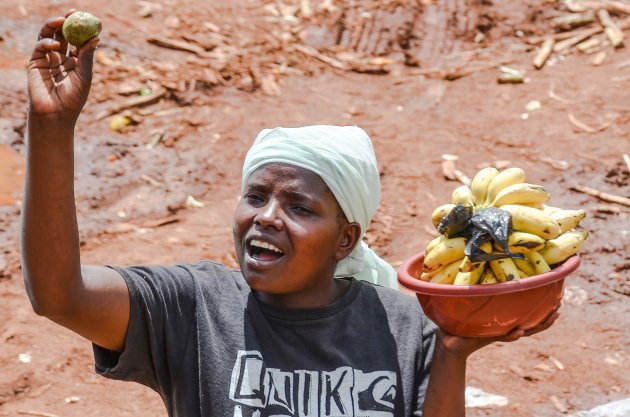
x=444 y=253
x=469 y=278
x=531 y=220
x=441 y=212
x=480 y=182
x=525 y=266
x=505 y=269
x=488 y=277
x=567 y=244
x=445 y=275
x=432 y=244
x=568 y=219
x=522 y=242
x=464 y=196
x=549 y=210
x=503 y=179
x=523 y=193
x=538 y=262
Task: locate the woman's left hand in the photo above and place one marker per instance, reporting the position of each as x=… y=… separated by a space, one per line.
x=465 y=346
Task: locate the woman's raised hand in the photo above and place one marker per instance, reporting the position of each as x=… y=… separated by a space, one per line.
x=59 y=77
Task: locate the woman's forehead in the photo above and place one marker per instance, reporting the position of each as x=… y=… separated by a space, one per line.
x=288 y=174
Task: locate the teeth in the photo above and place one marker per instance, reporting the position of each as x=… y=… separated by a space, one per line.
x=265 y=245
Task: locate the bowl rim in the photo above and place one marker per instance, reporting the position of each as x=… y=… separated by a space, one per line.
x=429 y=288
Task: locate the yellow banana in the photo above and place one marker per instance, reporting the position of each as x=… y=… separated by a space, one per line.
x=480 y=182
x=531 y=220
x=441 y=212
x=567 y=244
x=522 y=193
x=568 y=219
x=471 y=277
x=433 y=243
x=504 y=179
x=488 y=277
x=538 y=262
x=445 y=252
x=525 y=266
x=464 y=196
x=522 y=274
x=445 y=275
x=504 y=269
x=467 y=265
x=549 y=210
x=522 y=242
x=536 y=206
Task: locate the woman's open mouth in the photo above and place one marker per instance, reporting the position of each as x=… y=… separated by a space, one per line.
x=263 y=251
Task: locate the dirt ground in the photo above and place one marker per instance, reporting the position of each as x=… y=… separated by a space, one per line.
x=419 y=76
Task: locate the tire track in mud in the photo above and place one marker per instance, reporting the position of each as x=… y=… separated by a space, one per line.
x=423 y=32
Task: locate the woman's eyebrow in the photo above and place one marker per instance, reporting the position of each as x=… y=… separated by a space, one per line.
x=294 y=194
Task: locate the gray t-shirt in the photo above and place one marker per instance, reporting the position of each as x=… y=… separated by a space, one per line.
x=201 y=338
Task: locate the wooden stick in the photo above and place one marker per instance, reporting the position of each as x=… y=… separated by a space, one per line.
x=178 y=45
x=567 y=43
x=612 y=6
x=611 y=198
x=543 y=54
x=614 y=34
x=608 y=209
x=133 y=102
x=306 y=50
x=37 y=413
x=537 y=40
x=573 y=20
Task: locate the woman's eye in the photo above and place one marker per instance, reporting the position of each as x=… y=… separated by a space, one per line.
x=253 y=198
x=303 y=209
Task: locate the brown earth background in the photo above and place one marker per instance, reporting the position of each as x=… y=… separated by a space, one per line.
x=194 y=81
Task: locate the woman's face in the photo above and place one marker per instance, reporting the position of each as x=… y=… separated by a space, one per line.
x=289 y=233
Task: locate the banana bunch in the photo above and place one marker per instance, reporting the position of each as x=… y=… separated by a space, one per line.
x=544 y=235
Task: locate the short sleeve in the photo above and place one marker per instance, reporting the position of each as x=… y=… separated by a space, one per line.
x=162 y=302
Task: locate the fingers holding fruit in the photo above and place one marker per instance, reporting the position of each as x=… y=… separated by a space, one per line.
x=80 y=27
x=58 y=79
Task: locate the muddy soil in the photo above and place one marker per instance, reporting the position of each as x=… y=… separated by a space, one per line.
x=419 y=76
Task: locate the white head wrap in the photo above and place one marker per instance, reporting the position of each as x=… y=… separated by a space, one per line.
x=344 y=158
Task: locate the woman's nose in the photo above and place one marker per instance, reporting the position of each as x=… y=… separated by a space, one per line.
x=269 y=215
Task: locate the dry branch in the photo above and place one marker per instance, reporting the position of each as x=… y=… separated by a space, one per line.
x=572 y=41
x=37 y=413
x=613 y=6
x=175 y=44
x=610 y=198
x=614 y=34
x=572 y=21
x=543 y=54
x=133 y=102
x=312 y=52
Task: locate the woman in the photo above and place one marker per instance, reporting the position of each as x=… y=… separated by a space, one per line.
x=307 y=327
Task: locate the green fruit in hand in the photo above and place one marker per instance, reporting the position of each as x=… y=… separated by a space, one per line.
x=80 y=27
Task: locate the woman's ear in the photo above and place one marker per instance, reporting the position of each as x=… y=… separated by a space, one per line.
x=350 y=235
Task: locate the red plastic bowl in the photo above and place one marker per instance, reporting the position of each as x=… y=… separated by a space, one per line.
x=487 y=309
